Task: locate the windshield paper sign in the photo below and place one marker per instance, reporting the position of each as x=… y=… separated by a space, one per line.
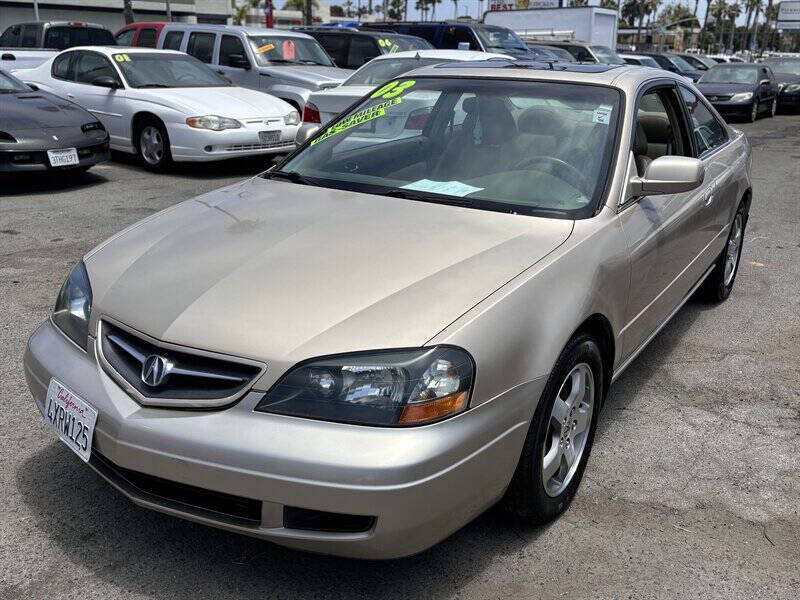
x=356 y=119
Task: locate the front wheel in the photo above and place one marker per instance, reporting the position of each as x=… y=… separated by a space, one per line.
x=774 y=107
x=560 y=436
x=754 y=112
x=718 y=285
x=153 y=146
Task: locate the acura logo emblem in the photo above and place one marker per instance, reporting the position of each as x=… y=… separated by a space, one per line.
x=155 y=370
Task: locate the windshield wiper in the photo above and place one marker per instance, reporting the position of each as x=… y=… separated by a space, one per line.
x=438 y=198
x=283 y=61
x=153 y=85
x=292 y=176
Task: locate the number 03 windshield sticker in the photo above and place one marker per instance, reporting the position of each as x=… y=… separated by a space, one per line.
x=393 y=89
x=357 y=118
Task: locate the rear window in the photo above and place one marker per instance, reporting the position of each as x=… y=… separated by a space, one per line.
x=65 y=36
x=173 y=39
x=147 y=38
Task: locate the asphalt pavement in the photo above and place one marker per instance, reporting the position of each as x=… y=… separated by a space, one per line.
x=692 y=489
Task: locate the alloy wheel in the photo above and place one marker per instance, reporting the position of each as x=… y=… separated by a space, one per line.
x=568 y=430
x=732 y=250
x=754 y=112
x=151 y=145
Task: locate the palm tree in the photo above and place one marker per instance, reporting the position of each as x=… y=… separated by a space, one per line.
x=239 y=16
x=455 y=9
x=718 y=10
x=127 y=11
x=300 y=5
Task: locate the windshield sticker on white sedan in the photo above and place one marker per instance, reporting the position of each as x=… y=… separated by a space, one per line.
x=122 y=58
x=356 y=119
x=602 y=115
x=448 y=188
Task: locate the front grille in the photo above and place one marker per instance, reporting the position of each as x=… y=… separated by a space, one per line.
x=179 y=377
x=242 y=147
x=218 y=506
x=719 y=97
x=318 y=520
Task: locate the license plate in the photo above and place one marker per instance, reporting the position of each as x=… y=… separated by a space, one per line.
x=269 y=137
x=63 y=158
x=71 y=418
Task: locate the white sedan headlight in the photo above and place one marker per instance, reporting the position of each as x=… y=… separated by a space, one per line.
x=791 y=88
x=293 y=118
x=213 y=122
x=742 y=97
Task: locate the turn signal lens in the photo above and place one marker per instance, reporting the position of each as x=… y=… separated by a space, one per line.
x=435 y=409
x=311 y=114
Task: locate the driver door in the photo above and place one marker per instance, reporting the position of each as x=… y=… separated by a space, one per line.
x=662 y=231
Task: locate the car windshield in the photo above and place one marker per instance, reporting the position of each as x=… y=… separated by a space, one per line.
x=726 y=73
x=607 y=55
x=562 y=54
x=274 y=49
x=166 y=70
x=63 y=37
x=390 y=44
x=10 y=84
x=380 y=71
x=500 y=39
x=680 y=63
x=785 y=67
x=528 y=147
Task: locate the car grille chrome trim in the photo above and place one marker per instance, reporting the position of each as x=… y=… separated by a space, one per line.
x=157 y=373
x=243 y=147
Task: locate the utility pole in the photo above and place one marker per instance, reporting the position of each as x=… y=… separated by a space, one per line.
x=309 y=19
x=169 y=11
x=35 y=10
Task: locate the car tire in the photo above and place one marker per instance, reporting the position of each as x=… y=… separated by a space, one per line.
x=718 y=285
x=539 y=492
x=773 y=107
x=754 y=112
x=152 y=145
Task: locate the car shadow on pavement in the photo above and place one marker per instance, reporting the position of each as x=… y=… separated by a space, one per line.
x=25 y=184
x=134 y=549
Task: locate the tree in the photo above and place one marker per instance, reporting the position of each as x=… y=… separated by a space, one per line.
x=395 y=9
x=576 y=3
x=455 y=9
x=674 y=13
x=127 y=11
x=239 y=16
x=300 y=5
x=718 y=10
x=732 y=12
x=612 y=4
x=336 y=10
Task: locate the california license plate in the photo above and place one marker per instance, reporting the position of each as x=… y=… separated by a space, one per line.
x=63 y=158
x=269 y=137
x=71 y=418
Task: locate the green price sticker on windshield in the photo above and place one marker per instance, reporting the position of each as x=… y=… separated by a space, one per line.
x=393 y=89
x=122 y=58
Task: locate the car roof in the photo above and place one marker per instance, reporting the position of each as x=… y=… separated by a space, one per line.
x=144 y=24
x=235 y=29
x=458 y=55
x=109 y=50
x=353 y=31
x=72 y=23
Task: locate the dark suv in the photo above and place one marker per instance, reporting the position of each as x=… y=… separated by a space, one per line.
x=351 y=48
x=56 y=34
x=674 y=63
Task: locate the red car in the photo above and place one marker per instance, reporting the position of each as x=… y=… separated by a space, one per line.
x=142 y=34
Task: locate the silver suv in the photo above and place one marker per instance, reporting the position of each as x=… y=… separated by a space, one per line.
x=286 y=64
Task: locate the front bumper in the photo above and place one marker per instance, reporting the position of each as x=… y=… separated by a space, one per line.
x=733 y=109
x=417 y=485
x=190 y=144
x=19 y=161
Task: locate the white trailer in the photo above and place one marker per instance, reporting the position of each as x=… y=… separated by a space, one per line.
x=587 y=23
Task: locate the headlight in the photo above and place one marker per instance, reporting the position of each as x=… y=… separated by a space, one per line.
x=791 y=88
x=74 y=305
x=293 y=118
x=213 y=122
x=742 y=97
x=391 y=388
x=94 y=126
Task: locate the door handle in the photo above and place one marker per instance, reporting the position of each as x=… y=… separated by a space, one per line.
x=70 y=95
x=710 y=195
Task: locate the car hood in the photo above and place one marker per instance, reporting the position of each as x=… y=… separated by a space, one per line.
x=712 y=89
x=279 y=271
x=234 y=102
x=335 y=100
x=39 y=110
x=309 y=75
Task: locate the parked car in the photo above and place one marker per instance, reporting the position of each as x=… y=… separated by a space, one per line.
x=673 y=63
x=741 y=90
x=166 y=106
x=640 y=60
x=561 y=54
x=42 y=132
x=286 y=64
x=27 y=45
x=547 y=53
x=325 y=105
x=351 y=48
x=787 y=73
x=463 y=36
x=699 y=62
x=589 y=53
x=725 y=58
x=386 y=338
x=143 y=34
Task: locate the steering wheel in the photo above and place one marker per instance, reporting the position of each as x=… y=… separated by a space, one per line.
x=560 y=168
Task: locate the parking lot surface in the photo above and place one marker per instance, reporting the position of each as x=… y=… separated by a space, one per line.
x=692 y=489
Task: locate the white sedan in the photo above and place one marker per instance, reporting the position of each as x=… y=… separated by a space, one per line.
x=166 y=105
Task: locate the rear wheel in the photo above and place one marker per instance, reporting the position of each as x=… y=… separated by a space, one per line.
x=774 y=108
x=718 y=285
x=153 y=145
x=754 y=112
x=560 y=435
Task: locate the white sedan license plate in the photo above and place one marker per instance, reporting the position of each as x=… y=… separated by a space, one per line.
x=71 y=418
x=269 y=137
x=63 y=158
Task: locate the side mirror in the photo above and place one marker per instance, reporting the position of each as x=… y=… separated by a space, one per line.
x=306 y=131
x=668 y=175
x=33 y=86
x=238 y=61
x=106 y=81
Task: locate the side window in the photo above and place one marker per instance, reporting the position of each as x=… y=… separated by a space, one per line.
x=708 y=132
x=61 y=66
x=173 y=39
x=201 y=46
x=228 y=46
x=425 y=32
x=336 y=47
x=28 y=39
x=126 y=37
x=452 y=36
x=89 y=66
x=659 y=127
x=10 y=37
x=362 y=50
x=147 y=37
x=581 y=54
